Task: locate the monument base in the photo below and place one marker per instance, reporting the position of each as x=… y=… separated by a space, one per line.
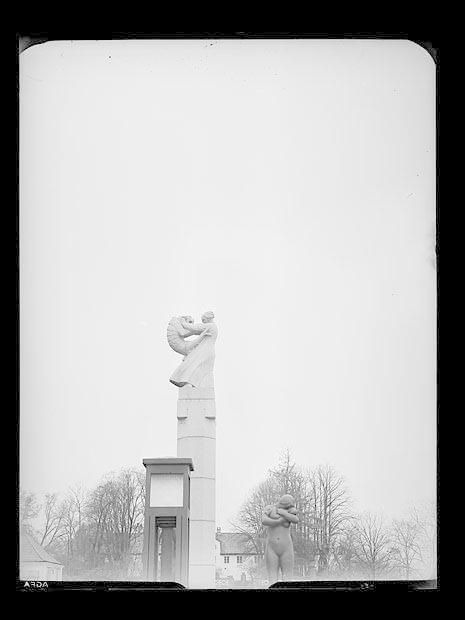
x=197 y=440
x=201 y=576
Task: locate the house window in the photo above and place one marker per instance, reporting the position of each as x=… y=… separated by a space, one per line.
x=226 y=559
x=239 y=559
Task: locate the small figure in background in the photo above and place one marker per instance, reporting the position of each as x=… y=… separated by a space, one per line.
x=279 y=552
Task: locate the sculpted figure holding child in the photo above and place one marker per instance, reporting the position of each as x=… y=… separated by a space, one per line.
x=279 y=551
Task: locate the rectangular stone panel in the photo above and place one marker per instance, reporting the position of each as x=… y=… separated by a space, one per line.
x=202 y=452
x=166 y=490
x=196 y=424
x=202 y=576
x=202 y=500
x=202 y=407
x=201 y=549
x=191 y=393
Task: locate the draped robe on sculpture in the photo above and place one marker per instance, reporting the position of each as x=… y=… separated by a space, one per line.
x=199 y=362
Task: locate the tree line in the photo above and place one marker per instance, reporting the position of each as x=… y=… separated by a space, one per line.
x=332 y=540
x=97 y=534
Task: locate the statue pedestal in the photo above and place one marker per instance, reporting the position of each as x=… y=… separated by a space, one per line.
x=196 y=439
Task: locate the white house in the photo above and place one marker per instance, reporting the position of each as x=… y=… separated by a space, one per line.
x=235 y=556
x=36 y=564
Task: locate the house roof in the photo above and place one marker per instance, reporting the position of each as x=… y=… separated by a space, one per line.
x=31 y=551
x=232 y=543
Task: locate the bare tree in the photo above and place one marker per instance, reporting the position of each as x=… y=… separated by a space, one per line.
x=322 y=502
x=406 y=551
x=425 y=517
x=29 y=509
x=125 y=518
x=114 y=514
x=372 y=544
x=73 y=512
x=285 y=478
x=251 y=512
x=53 y=523
x=95 y=534
x=344 y=552
x=330 y=509
x=97 y=511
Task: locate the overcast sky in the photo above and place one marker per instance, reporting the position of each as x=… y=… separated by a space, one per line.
x=289 y=186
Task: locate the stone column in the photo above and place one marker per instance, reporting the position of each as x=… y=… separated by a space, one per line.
x=197 y=440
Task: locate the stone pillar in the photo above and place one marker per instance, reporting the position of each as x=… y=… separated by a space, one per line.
x=167 y=555
x=197 y=440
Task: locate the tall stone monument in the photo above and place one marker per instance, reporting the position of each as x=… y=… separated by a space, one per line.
x=196 y=435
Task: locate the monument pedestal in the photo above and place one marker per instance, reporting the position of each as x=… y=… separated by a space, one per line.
x=196 y=439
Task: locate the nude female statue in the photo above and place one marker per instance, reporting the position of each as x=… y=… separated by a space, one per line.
x=279 y=551
x=199 y=354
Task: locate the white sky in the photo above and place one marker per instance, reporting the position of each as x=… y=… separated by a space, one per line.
x=289 y=186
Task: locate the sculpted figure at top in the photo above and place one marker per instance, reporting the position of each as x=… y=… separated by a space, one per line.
x=199 y=354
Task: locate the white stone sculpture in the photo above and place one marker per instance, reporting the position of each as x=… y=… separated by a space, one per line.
x=279 y=550
x=199 y=354
x=196 y=436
